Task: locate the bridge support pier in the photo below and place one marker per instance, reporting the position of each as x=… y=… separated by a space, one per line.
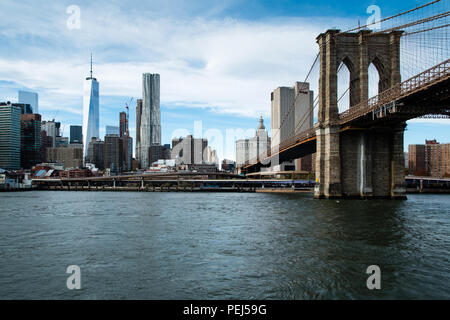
x=360 y=163
x=328 y=166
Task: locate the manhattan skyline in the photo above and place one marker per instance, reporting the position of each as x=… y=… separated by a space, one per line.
x=203 y=77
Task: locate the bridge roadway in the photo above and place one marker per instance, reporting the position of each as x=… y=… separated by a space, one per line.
x=424 y=94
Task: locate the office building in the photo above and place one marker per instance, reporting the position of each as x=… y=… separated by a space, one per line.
x=189 y=150
x=91 y=117
x=113 y=155
x=76 y=135
x=24 y=108
x=67 y=157
x=211 y=157
x=291 y=113
x=30 y=98
x=46 y=142
x=112 y=130
x=242 y=152
x=123 y=124
x=9 y=136
x=61 y=142
x=30 y=140
x=52 y=129
x=429 y=159
x=255 y=148
x=150 y=117
x=96 y=150
x=156 y=152
x=138 y=130
x=127 y=142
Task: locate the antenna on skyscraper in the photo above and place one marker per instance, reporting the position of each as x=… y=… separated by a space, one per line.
x=91 y=65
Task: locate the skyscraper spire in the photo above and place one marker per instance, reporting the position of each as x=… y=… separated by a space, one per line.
x=91 y=65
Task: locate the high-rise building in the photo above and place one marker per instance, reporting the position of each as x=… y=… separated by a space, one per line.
x=67 y=157
x=62 y=142
x=46 y=142
x=291 y=113
x=255 y=148
x=429 y=159
x=112 y=130
x=24 y=107
x=9 y=136
x=96 y=150
x=138 y=129
x=30 y=140
x=158 y=152
x=189 y=150
x=91 y=117
x=123 y=124
x=127 y=143
x=76 y=134
x=51 y=129
x=31 y=98
x=211 y=157
x=113 y=155
x=242 y=152
x=258 y=145
x=150 y=116
x=416 y=159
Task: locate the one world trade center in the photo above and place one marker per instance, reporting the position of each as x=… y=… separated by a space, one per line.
x=91 y=116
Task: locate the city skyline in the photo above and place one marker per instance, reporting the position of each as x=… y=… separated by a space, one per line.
x=194 y=77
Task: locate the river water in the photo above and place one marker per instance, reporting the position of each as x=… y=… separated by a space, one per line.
x=132 y=245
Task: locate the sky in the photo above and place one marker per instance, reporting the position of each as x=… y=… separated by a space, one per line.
x=218 y=60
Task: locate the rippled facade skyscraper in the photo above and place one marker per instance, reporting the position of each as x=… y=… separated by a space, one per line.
x=150 y=126
x=91 y=117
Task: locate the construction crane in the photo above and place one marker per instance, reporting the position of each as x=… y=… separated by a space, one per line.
x=128 y=111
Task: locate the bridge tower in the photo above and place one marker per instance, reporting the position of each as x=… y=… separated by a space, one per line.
x=366 y=161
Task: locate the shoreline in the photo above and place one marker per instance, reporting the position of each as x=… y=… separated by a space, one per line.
x=204 y=189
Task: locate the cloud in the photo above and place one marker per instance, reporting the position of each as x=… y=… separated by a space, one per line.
x=431 y=121
x=228 y=65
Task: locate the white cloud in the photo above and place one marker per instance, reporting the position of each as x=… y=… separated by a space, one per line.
x=431 y=121
x=228 y=65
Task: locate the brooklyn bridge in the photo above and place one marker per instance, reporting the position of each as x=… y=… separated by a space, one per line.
x=359 y=151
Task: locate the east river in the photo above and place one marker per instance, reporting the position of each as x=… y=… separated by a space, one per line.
x=137 y=245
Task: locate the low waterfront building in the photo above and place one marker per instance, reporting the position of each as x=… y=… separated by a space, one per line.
x=228 y=165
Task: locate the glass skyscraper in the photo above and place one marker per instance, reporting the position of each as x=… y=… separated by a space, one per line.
x=112 y=130
x=91 y=117
x=76 y=134
x=150 y=126
x=9 y=136
x=31 y=98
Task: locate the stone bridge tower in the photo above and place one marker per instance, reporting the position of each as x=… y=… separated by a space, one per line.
x=361 y=161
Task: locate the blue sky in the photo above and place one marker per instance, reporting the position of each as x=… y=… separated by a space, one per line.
x=218 y=60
